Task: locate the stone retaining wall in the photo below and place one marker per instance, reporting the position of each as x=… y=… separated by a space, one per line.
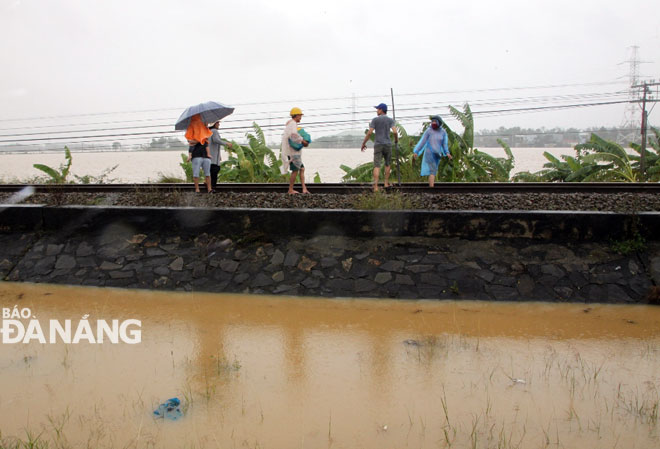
x=188 y=249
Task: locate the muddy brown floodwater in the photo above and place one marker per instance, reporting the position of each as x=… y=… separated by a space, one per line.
x=261 y=372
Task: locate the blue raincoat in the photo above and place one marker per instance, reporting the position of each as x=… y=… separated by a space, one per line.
x=434 y=144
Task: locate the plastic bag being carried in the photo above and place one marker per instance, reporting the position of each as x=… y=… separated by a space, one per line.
x=304 y=135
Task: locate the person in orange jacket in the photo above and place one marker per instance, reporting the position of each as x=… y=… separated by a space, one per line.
x=198 y=151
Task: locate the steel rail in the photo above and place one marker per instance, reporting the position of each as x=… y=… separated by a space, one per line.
x=351 y=188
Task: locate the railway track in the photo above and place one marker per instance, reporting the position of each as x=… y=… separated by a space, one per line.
x=352 y=188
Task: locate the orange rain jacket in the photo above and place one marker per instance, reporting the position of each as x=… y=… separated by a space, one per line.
x=197 y=130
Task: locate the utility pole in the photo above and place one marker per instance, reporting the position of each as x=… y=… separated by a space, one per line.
x=642 y=159
x=396 y=145
x=646 y=98
x=353 y=108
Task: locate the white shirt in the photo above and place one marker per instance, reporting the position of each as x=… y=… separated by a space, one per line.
x=290 y=132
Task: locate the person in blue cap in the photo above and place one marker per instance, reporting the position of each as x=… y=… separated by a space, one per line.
x=434 y=145
x=381 y=124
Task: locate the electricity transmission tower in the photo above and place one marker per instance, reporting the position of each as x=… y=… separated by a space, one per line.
x=630 y=120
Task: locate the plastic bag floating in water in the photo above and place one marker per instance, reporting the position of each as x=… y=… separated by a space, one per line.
x=169 y=410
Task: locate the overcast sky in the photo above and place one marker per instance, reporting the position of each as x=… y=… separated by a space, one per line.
x=86 y=56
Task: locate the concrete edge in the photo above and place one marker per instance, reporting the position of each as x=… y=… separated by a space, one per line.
x=470 y=224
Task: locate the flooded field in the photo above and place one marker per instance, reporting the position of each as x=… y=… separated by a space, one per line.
x=148 y=166
x=257 y=372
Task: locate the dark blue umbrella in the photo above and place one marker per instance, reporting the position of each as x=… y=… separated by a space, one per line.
x=211 y=112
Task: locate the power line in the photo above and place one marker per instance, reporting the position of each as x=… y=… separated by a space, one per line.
x=312 y=125
x=417 y=106
x=500 y=89
x=170 y=120
x=323 y=123
x=343 y=98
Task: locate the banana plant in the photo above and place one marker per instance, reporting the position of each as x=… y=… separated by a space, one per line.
x=582 y=169
x=361 y=173
x=468 y=164
x=254 y=162
x=613 y=162
x=555 y=169
x=569 y=169
x=499 y=169
x=651 y=158
x=57 y=176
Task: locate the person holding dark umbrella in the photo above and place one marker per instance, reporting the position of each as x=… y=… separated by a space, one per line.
x=194 y=120
x=215 y=143
x=210 y=112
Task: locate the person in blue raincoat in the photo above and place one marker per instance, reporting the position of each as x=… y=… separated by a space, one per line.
x=435 y=145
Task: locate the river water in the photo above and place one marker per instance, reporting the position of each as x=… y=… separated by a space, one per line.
x=146 y=166
x=261 y=372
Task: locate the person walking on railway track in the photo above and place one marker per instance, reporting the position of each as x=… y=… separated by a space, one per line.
x=215 y=144
x=381 y=125
x=292 y=157
x=434 y=145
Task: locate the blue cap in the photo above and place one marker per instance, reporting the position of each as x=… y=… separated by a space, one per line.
x=382 y=106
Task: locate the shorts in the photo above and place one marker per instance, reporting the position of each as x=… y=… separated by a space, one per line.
x=382 y=150
x=201 y=162
x=295 y=162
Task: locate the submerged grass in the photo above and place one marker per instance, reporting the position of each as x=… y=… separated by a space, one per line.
x=591 y=405
x=31 y=441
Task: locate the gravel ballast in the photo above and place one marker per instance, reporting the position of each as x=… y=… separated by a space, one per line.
x=623 y=202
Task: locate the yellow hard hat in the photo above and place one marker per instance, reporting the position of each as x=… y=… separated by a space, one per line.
x=295 y=111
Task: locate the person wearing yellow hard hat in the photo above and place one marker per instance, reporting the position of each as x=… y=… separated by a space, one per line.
x=291 y=157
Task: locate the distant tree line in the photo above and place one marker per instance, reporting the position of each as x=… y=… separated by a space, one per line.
x=554 y=137
x=338 y=141
x=165 y=143
x=513 y=137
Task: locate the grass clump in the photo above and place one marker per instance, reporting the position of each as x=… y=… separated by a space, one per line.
x=634 y=243
x=383 y=201
x=629 y=246
x=169 y=179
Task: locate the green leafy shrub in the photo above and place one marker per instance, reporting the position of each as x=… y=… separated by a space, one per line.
x=100 y=179
x=187 y=167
